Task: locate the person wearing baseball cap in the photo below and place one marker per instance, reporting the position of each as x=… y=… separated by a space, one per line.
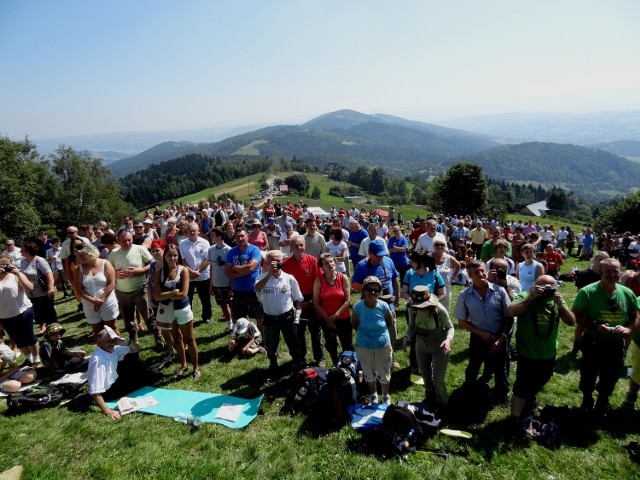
x=245 y=339
x=433 y=331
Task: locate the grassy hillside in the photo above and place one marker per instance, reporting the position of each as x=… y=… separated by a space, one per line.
x=78 y=442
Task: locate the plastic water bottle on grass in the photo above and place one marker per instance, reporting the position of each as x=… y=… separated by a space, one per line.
x=191 y=420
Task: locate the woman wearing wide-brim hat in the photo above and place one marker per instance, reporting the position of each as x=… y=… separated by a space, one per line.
x=433 y=332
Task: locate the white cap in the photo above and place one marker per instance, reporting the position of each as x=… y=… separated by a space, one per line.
x=242 y=325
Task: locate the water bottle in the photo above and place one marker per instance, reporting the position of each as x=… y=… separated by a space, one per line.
x=404 y=443
x=191 y=420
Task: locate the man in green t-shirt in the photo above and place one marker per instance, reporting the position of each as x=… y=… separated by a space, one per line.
x=539 y=312
x=608 y=311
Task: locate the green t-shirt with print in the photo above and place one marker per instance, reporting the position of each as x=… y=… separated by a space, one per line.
x=537 y=328
x=617 y=309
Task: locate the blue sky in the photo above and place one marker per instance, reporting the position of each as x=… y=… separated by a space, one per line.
x=74 y=67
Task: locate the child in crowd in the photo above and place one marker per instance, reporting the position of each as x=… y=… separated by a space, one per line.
x=53 y=258
x=245 y=339
x=53 y=353
x=463 y=275
x=12 y=377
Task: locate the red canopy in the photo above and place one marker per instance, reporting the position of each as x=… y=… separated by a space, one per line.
x=381 y=213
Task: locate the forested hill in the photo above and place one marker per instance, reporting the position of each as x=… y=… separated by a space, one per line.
x=346 y=137
x=589 y=172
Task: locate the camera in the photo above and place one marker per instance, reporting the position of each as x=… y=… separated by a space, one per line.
x=501 y=273
x=549 y=291
x=7 y=269
x=279 y=265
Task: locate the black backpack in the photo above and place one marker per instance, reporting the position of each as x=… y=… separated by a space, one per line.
x=33 y=398
x=334 y=399
x=303 y=391
x=401 y=433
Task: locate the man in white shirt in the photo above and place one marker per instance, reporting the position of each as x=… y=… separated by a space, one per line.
x=426 y=240
x=281 y=296
x=103 y=369
x=195 y=257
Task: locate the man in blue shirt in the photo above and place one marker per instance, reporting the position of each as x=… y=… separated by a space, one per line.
x=482 y=309
x=243 y=267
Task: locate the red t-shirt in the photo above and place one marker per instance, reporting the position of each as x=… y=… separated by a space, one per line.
x=305 y=272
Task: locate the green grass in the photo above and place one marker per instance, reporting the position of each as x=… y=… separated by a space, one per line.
x=84 y=444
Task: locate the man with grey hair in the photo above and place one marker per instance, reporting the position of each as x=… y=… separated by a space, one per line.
x=195 y=258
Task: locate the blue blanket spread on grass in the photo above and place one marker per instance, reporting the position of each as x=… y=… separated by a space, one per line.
x=200 y=404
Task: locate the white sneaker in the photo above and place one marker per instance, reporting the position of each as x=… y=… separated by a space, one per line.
x=134 y=346
x=373 y=398
x=386 y=399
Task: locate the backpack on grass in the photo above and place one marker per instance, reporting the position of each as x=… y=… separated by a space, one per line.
x=33 y=398
x=303 y=391
x=334 y=399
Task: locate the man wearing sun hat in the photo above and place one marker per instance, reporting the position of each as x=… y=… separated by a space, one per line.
x=433 y=331
x=103 y=369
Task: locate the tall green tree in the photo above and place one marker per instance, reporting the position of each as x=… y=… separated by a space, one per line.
x=23 y=189
x=87 y=192
x=620 y=216
x=461 y=190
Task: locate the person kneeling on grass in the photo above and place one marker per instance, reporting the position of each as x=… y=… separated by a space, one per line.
x=12 y=377
x=245 y=339
x=104 y=381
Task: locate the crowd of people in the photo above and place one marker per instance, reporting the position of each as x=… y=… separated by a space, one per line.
x=278 y=270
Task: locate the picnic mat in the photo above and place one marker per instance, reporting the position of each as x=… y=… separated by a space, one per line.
x=205 y=405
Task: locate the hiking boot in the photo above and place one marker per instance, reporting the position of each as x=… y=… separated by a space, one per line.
x=160 y=345
x=373 y=398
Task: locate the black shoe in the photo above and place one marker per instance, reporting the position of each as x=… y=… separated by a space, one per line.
x=587 y=404
x=602 y=408
x=273 y=372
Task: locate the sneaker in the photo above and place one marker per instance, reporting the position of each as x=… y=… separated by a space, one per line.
x=386 y=399
x=134 y=345
x=207 y=321
x=373 y=398
x=196 y=374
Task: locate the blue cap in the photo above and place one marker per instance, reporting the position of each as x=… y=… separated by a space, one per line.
x=378 y=248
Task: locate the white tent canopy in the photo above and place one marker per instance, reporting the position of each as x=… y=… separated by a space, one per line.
x=319 y=212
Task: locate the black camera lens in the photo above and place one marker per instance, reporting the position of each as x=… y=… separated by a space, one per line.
x=279 y=265
x=7 y=269
x=549 y=291
x=501 y=273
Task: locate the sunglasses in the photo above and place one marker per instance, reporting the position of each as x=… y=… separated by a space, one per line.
x=372 y=290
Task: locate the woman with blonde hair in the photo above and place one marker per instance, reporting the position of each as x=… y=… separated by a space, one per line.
x=95 y=280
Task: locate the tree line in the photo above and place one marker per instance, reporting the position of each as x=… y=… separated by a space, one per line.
x=53 y=192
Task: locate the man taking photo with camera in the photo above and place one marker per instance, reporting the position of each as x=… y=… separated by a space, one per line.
x=539 y=312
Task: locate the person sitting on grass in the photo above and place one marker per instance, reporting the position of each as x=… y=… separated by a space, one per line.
x=12 y=377
x=106 y=380
x=53 y=353
x=245 y=339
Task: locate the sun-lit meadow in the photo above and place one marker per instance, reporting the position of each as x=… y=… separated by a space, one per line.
x=77 y=441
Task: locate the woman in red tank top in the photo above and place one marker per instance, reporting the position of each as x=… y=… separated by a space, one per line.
x=331 y=299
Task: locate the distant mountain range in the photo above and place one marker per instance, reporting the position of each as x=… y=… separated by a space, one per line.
x=591 y=173
x=576 y=128
x=346 y=137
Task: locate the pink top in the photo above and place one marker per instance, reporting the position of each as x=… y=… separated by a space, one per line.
x=259 y=240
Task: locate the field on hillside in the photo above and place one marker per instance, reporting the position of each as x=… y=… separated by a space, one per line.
x=248 y=186
x=78 y=442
